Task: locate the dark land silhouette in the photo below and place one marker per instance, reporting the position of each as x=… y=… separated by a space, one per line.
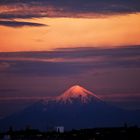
x=115 y=133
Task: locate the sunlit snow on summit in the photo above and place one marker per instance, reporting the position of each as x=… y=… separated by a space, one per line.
x=77 y=92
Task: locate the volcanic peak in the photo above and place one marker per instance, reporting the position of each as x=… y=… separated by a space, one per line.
x=76 y=92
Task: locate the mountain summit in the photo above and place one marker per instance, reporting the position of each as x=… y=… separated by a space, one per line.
x=76 y=108
x=77 y=92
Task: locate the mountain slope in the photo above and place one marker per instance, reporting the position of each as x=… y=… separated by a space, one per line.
x=75 y=108
x=77 y=92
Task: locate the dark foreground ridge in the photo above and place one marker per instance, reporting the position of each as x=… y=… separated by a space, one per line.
x=116 y=133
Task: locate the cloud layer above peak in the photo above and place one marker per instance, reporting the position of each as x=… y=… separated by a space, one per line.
x=66 y=8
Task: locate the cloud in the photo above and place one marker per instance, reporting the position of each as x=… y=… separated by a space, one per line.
x=69 y=8
x=63 y=62
x=4 y=66
x=43 y=68
x=78 y=52
x=19 y=23
x=23 y=98
x=122 y=97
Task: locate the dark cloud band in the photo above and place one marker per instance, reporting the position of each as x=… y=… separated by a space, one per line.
x=68 y=62
x=19 y=24
x=68 y=8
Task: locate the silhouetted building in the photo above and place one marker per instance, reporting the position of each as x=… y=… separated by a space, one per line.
x=59 y=129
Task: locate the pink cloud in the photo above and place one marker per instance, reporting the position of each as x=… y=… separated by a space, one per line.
x=23 y=98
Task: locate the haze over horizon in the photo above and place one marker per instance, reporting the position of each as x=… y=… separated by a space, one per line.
x=47 y=46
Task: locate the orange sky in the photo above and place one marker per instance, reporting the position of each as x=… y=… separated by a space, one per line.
x=72 y=32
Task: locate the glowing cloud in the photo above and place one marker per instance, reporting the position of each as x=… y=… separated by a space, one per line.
x=101 y=32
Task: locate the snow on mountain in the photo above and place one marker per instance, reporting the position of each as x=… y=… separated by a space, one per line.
x=77 y=92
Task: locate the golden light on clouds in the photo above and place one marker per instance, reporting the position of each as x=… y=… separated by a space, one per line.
x=72 y=32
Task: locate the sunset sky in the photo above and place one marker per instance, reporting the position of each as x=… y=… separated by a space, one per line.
x=46 y=46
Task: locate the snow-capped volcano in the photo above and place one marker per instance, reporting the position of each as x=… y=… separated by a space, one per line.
x=76 y=108
x=77 y=92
